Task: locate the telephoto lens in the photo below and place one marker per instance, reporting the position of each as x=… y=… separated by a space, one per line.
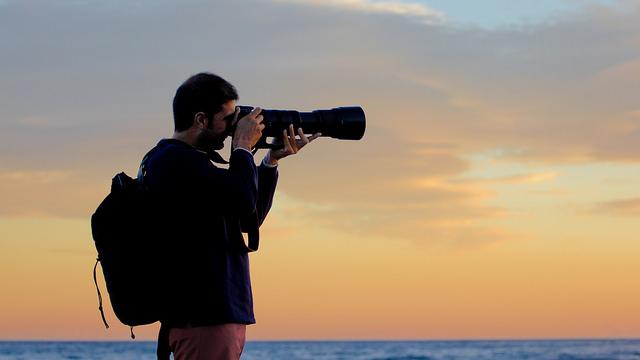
x=344 y=123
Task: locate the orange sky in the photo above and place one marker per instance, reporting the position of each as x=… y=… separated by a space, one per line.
x=495 y=194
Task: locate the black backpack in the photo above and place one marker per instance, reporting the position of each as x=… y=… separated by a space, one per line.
x=131 y=241
x=130 y=251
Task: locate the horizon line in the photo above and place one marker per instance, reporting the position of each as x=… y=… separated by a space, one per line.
x=356 y=340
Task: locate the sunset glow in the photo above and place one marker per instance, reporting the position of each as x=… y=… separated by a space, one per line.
x=495 y=193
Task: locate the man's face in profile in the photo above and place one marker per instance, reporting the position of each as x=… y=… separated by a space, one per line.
x=218 y=128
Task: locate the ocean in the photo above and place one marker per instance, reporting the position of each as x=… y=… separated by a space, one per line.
x=345 y=350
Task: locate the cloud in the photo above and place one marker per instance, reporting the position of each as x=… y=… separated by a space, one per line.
x=35 y=177
x=517 y=179
x=90 y=103
x=382 y=187
x=523 y=90
x=451 y=224
x=46 y=194
x=625 y=207
x=417 y=11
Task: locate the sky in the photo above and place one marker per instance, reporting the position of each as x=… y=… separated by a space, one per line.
x=504 y=13
x=493 y=196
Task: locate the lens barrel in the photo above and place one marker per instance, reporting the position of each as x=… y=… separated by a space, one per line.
x=344 y=123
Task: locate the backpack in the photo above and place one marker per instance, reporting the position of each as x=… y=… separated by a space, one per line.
x=131 y=241
x=130 y=251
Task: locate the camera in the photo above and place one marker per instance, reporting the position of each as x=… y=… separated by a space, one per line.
x=344 y=123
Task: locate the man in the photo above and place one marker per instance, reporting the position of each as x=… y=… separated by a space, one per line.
x=209 y=298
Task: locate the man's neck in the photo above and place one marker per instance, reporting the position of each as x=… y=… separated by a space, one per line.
x=186 y=137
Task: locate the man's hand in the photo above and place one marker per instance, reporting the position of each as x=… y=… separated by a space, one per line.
x=291 y=145
x=248 y=129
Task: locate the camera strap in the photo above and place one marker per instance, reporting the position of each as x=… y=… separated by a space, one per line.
x=253 y=232
x=215 y=157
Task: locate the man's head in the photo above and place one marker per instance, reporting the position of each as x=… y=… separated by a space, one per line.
x=200 y=106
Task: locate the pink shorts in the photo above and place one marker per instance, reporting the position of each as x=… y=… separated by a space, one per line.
x=219 y=342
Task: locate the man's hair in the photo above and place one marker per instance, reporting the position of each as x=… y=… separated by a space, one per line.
x=203 y=92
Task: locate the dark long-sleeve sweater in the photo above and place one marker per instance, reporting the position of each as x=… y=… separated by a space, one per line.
x=206 y=210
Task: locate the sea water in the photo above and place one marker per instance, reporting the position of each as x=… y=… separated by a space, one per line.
x=346 y=350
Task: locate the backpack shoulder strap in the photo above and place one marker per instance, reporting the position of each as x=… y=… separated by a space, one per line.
x=142 y=170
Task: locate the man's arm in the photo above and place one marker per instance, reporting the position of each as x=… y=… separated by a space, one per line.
x=230 y=192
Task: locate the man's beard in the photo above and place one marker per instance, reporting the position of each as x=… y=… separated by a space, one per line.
x=209 y=141
x=218 y=145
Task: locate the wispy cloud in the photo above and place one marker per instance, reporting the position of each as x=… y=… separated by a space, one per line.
x=629 y=207
x=516 y=179
x=456 y=223
x=35 y=177
x=43 y=194
x=413 y=10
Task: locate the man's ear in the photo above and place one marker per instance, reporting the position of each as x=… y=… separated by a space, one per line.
x=200 y=120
